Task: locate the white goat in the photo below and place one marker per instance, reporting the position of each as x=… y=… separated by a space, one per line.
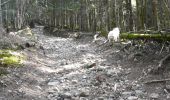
x=113 y=35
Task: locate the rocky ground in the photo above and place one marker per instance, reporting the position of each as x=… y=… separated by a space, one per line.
x=77 y=69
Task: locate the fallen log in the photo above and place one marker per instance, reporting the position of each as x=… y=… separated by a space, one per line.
x=156 y=81
x=156 y=36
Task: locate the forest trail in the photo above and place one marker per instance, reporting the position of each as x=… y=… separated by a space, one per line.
x=68 y=69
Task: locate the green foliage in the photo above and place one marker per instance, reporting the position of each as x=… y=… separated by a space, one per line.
x=74 y=6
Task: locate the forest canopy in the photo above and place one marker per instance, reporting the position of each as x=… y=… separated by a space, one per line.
x=87 y=15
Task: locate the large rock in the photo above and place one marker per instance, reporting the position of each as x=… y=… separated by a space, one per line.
x=132 y=98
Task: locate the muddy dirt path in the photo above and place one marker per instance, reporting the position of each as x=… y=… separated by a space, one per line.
x=68 y=69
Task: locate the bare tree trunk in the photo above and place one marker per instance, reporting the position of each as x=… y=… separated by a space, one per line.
x=1 y=24
x=155 y=16
x=129 y=8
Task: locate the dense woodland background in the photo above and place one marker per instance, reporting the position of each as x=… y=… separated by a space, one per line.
x=87 y=15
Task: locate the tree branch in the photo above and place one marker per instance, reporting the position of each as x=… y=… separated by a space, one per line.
x=5 y=2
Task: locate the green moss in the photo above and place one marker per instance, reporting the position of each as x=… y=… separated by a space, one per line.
x=9 y=57
x=5 y=53
x=12 y=60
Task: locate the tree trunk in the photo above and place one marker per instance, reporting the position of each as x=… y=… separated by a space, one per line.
x=1 y=24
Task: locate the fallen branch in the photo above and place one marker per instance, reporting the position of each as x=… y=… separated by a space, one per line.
x=162 y=48
x=41 y=63
x=89 y=65
x=161 y=67
x=162 y=61
x=155 y=81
